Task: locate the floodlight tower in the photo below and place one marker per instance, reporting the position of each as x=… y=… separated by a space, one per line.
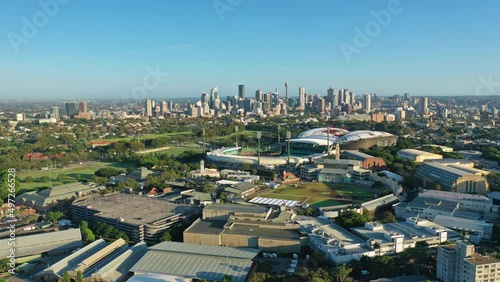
x=259 y=135
x=286 y=96
x=203 y=141
x=288 y=135
x=236 y=130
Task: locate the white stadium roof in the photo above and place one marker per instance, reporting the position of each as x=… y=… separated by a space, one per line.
x=274 y=202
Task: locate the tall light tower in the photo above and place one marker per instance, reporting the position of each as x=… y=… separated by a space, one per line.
x=259 y=135
x=203 y=141
x=279 y=129
x=286 y=96
x=328 y=139
x=288 y=135
x=236 y=130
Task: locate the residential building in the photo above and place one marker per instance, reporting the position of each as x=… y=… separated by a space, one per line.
x=460 y=263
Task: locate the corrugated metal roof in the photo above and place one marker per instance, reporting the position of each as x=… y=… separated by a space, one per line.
x=196 y=261
x=186 y=248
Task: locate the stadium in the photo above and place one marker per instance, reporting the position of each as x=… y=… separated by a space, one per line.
x=310 y=144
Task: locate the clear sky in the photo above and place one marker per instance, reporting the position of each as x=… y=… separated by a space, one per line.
x=102 y=48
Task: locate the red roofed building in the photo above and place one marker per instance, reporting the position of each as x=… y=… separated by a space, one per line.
x=35 y=156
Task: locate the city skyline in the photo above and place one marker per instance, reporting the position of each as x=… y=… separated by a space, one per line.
x=104 y=50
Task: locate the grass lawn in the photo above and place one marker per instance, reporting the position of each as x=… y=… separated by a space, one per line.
x=324 y=194
x=145 y=136
x=85 y=170
x=175 y=151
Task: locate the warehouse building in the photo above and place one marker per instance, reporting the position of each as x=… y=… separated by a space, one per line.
x=85 y=260
x=141 y=218
x=42 y=200
x=173 y=261
x=453 y=178
x=417 y=156
x=50 y=242
x=246 y=226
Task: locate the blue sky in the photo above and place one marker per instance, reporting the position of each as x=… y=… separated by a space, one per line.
x=102 y=48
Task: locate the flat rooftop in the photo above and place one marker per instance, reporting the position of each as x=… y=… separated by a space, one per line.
x=134 y=209
x=481 y=260
x=237 y=208
x=207 y=227
x=452 y=196
x=315 y=227
x=249 y=230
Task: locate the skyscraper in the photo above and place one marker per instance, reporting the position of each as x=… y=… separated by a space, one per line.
x=241 y=91
x=302 y=97
x=204 y=98
x=55 y=112
x=367 y=103
x=148 y=108
x=71 y=109
x=332 y=97
x=423 y=106
x=352 y=98
x=259 y=95
x=214 y=94
x=83 y=107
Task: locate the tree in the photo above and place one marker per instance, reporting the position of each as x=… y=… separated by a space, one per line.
x=44 y=179
x=79 y=276
x=66 y=277
x=166 y=237
x=108 y=172
x=341 y=273
x=53 y=216
x=387 y=217
x=87 y=235
x=351 y=219
x=28 y=179
x=227 y=278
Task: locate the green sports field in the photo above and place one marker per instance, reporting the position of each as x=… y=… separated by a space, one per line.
x=84 y=170
x=324 y=194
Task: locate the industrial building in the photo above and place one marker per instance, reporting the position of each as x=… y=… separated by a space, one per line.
x=85 y=260
x=49 y=242
x=459 y=262
x=427 y=208
x=173 y=261
x=417 y=156
x=234 y=225
x=141 y=218
x=42 y=200
x=453 y=178
x=476 y=229
x=118 y=268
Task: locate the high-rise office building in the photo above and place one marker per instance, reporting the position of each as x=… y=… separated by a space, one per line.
x=148 y=108
x=302 y=97
x=164 y=108
x=241 y=91
x=71 y=109
x=367 y=103
x=214 y=94
x=352 y=98
x=55 y=112
x=204 y=98
x=83 y=107
x=423 y=106
x=332 y=97
x=259 y=95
